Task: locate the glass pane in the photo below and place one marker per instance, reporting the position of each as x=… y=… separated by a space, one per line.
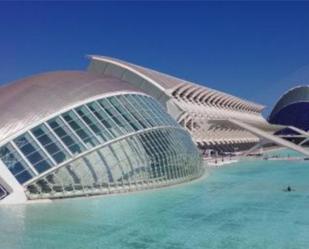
x=125 y=113
x=33 y=153
x=23 y=176
x=116 y=117
x=15 y=164
x=150 y=111
x=80 y=129
x=66 y=136
x=92 y=122
x=50 y=143
x=137 y=104
x=105 y=119
x=134 y=112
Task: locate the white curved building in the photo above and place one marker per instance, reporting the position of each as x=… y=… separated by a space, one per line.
x=117 y=127
x=195 y=107
x=72 y=133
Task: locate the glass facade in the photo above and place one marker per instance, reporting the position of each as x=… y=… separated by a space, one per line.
x=117 y=143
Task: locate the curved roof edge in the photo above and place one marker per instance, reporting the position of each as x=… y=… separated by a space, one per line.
x=128 y=66
x=30 y=100
x=164 y=82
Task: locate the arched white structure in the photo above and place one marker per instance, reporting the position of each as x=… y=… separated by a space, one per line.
x=192 y=105
x=73 y=133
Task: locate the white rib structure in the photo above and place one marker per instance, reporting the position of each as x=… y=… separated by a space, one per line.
x=192 y=105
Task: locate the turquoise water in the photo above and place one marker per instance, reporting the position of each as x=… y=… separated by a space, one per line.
x=284 y=153
x=235 y=207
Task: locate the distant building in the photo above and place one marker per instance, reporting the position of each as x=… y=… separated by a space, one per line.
x=292 y=109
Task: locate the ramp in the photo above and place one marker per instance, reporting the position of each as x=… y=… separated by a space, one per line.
x=275 y=139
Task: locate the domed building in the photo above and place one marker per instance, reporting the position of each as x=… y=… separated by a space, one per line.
x=292 y=109
x=72 y=133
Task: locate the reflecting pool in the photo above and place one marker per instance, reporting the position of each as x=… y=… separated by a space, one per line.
x=240 y=206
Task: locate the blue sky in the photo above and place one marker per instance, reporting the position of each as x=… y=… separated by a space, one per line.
x=255 y=50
